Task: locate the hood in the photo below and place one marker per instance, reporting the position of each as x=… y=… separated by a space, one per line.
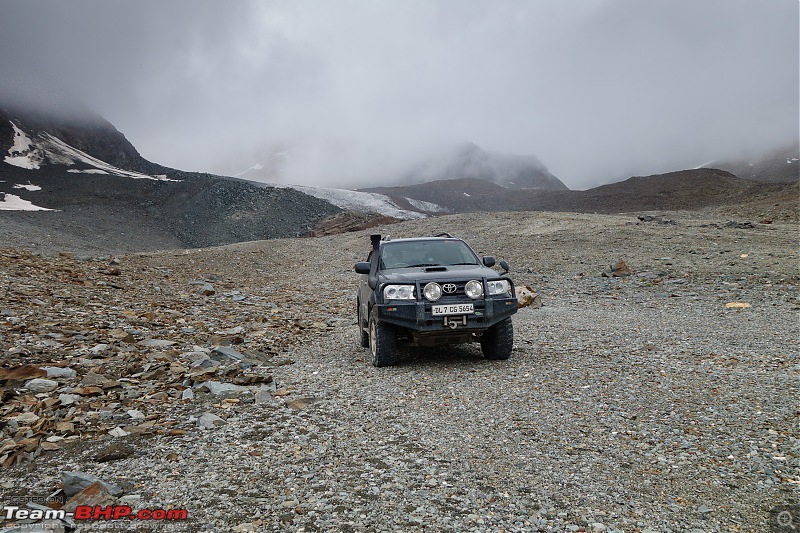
x=452 y=273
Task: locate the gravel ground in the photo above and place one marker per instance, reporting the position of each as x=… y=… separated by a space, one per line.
x=640 y=403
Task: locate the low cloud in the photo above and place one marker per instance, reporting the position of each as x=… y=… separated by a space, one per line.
x=357 y=91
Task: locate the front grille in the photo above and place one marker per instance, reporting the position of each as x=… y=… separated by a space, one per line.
x=459 y=296
x=459 y=292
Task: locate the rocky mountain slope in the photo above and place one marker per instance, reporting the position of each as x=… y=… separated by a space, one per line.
x=79 y=179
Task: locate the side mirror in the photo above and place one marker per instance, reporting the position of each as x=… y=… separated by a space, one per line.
x=504 y=266
x=488 y=260
x=362 y=268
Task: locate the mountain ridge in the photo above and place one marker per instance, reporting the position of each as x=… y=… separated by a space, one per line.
x=95 y=188
x=468 y=160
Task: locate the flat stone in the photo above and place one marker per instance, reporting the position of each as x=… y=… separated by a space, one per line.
x=114 y=452
x=74 y=482
x=218 y=388
x=96 y=494
x=99 y=348
x=135 y=414
x=157 y=343
x=68 y=399
x=59 y=372
x=210 y=421
x=232 y=331
x=203 y=288
x=65 y=427
x=252 y=379
x=300 y=403
x=264 y=397
x=41 y=385
x=22 y=373
x=99 y=380
x=26 y=418
x=203 y=374
x=226 y=354
x=118 y=432
x=88 y=391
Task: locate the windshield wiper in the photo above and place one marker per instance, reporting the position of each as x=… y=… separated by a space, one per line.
x=423 y=265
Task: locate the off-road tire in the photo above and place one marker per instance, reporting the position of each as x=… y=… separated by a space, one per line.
x=498 y=341
x=363 y=336
x=382 y=343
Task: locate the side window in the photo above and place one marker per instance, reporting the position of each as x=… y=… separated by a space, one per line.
x=369 y=257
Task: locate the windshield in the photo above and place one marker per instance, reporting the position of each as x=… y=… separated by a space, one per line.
x=426 y=253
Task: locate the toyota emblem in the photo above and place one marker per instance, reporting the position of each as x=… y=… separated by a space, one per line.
x=449 y=288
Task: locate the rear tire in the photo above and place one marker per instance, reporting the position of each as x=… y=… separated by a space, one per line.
x=382 y=343
x=363 y=336
x=498 y=341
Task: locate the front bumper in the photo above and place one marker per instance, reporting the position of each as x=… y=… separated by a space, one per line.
x=418 y=316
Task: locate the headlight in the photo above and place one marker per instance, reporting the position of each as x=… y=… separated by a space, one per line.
x=498 y=287
x=398 y=292
x=432 y=291
x=474 y=289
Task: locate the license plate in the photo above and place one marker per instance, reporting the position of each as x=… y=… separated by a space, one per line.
x=453 y=309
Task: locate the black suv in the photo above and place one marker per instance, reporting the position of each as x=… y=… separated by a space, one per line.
x=431 y=291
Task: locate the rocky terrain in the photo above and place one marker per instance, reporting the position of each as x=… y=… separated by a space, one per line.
x=656 y=393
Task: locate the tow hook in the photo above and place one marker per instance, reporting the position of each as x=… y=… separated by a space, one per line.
x=454 y=321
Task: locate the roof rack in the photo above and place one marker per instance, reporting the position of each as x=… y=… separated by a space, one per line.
x=444 y=235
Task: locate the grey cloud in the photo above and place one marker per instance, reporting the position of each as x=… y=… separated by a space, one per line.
x=598 y=90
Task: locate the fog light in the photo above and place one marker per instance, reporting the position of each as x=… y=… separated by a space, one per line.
x=474 y=289
x=432 y=291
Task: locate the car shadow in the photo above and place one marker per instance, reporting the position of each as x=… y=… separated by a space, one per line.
x=451 y=356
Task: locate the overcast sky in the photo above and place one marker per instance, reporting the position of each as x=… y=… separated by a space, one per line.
x=598 y=90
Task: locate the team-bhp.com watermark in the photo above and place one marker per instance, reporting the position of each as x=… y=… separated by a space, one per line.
x=94 y=512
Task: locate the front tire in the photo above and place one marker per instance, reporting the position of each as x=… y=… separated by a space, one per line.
x=382 y=343
x=498 y=341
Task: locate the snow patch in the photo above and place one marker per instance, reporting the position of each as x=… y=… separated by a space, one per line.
x=28 y=154
x=705 y=165
x=60 y=152
x=28 y=187
x=430 y=207
x=87 y=171
x=360 y=202
x=14 y=203
x=23 y=153
x=257 y=166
